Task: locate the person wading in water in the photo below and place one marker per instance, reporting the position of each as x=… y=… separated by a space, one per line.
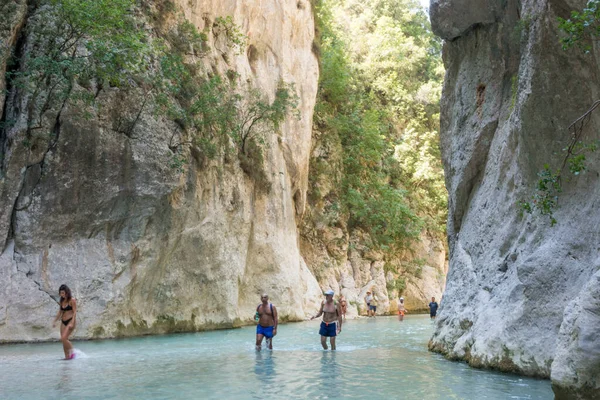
x=369 y=300
x=401 y=309
x=266 y=316
x=67 y=313
x=344 y=305
x=332 y=312
x=433 y=307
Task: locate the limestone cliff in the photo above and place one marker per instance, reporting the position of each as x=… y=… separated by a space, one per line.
x=521 y=295
x=373 y=125
x=147 y=248
x=344 y=259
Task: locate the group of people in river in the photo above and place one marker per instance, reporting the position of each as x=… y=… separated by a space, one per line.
x=433 y=306
x=333 y=312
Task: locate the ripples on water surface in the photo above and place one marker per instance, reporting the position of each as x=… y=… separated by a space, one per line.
x=376 y=358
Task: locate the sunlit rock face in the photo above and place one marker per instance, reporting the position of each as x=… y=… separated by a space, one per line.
x=521 y=295
x=343 y=262
x=343 y=259
x=144 y=247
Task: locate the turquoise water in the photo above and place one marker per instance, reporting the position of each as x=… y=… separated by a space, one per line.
x=376 y=358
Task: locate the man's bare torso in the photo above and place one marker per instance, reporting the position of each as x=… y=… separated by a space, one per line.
x=330 y=312
x=265 y=313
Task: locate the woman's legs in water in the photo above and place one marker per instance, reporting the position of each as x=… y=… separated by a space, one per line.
x=64 y=338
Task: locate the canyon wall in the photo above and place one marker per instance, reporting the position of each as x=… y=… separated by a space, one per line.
x=145 y=247
x=345 y=259
x=150 y=244
x=522 y=295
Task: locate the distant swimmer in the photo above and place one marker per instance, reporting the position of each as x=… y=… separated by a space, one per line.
x=67 y=313
x=344 y=305
x=332 y=312
x=373 y=306
x=401 y=309
x=368 y=300
x=433 y=307
x=266 y=316
x=371 y=300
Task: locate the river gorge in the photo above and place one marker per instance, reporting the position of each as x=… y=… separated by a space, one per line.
x=175 y=162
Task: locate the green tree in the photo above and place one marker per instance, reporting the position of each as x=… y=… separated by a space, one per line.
x=96 y=44
x=379 y=97
x=83 y=41
x=583 y=28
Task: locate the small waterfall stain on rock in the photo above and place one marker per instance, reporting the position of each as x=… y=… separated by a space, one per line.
x=252 y=57
x=45 y=269
x=110 y=251
x=480 y=98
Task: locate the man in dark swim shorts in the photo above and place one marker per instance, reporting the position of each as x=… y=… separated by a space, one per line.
x=433 y=307
x=266 y=316
x=332 y=312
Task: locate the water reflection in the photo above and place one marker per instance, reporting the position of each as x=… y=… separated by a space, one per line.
x=264 y=367
x=64 y=384
x=330 y=371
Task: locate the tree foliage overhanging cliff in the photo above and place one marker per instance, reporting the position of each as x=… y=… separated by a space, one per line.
x=379 y=93
x=75 y=49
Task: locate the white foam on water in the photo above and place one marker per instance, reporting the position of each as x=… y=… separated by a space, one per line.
x=79 y=354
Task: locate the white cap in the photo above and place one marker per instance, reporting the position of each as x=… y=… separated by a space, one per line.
x=329 y=293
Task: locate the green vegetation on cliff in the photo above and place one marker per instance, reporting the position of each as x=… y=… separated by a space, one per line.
x=583 y=28
x=581 y=31
x=377 y=108
x=76 y=49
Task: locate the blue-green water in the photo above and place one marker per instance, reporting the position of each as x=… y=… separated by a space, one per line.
x=376 y=358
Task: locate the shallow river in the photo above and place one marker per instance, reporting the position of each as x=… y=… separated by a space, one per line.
x=376 y=358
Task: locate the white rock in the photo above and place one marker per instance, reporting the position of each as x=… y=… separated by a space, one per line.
x=514 y=282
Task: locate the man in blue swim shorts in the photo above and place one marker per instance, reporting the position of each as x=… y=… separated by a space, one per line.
x=266 y=316
x=332 y=320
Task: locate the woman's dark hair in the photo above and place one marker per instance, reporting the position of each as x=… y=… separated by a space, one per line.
x=67 y=292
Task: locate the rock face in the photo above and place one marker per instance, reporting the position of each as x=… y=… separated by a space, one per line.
x=146 y=248
x=521 y=295
x=350 y=268
x=342 y=260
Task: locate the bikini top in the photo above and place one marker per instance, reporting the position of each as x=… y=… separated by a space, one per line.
x=67 y=308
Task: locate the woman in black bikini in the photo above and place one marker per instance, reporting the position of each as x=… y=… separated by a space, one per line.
x=67 y=314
